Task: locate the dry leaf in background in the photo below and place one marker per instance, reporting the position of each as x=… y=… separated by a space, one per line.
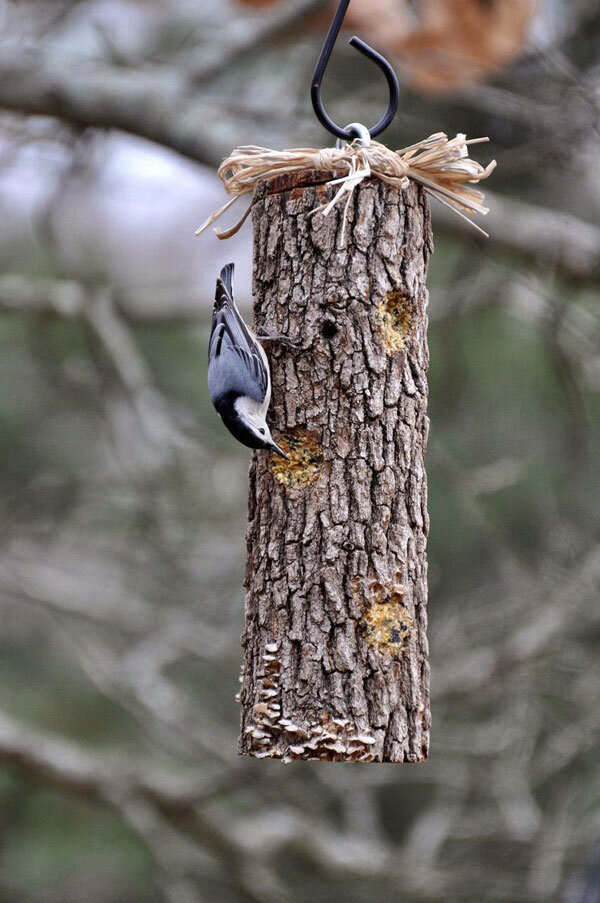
x=457 y=42
x=441 y=44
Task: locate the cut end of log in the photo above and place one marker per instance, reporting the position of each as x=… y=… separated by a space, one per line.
x=305 y=460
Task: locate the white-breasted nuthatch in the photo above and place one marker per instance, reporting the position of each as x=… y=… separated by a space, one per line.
x=239 y=379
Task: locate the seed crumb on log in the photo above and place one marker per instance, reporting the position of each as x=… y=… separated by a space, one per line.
x=335 y=646
x=303 y=464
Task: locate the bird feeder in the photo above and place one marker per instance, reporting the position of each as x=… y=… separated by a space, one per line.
x=335 y=641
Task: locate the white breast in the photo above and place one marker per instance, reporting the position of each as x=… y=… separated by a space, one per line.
x=252 y=411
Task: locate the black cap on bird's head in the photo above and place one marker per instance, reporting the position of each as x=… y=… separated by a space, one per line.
x=246 y=427
x=262 y=438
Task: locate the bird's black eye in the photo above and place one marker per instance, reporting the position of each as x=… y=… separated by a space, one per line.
x=262 y=432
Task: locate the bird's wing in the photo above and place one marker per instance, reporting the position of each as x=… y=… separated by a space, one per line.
x=235 y=359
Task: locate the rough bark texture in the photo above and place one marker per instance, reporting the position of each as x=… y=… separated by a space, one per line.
x=335 y=642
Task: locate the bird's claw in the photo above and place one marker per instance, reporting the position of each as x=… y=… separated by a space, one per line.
x=263 y=336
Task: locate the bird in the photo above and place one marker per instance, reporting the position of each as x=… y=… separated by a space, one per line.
x=239 y=379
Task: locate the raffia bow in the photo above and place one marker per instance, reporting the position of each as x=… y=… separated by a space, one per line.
x=441 y=165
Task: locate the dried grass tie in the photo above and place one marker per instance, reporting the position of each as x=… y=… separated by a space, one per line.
x=441 y=165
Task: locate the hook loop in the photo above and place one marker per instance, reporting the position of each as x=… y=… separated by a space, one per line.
x=366 y=50
x=358 y=132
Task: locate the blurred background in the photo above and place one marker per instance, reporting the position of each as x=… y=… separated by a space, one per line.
x=123 y=498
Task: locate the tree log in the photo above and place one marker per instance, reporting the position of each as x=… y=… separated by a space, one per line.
x=335 y=642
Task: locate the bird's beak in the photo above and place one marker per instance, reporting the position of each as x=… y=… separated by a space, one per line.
x=279 y=451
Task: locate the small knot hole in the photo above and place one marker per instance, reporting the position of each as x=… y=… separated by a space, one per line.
x=329 y=330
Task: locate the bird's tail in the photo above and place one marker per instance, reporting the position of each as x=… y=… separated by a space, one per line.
x=224 y=286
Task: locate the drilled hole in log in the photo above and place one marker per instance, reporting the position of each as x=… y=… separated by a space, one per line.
x=386 y=623
x=305 y=460
x=329 y=330
x=394 y=320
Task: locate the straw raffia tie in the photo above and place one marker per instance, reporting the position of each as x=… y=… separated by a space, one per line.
x=442 y=166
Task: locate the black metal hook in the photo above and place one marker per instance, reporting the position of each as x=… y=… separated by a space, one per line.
x=315 y=87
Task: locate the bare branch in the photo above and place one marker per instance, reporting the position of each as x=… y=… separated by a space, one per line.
x=251 y=36
x=155 y=103
x=128 y=787
x=115 y=339
x=545 y=236
x=110 y=780
x=69 y=298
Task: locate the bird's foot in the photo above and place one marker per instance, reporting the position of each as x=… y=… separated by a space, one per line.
x=263 y=336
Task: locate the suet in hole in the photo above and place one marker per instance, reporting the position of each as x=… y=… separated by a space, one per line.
x=329 y=330
x=395 y=320
x=386 y=623
x=304 y=463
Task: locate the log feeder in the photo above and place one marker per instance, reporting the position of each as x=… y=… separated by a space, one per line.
x=335 y=641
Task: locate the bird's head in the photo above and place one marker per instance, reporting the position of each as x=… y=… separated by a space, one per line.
x=255 y=429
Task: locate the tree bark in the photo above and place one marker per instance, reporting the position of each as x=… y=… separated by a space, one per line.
x=335 y=642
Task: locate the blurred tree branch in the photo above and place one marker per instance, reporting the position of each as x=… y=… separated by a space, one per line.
x=544 y=236
x=250 y=35
x=158 y=103
x=71 y=299
x=128 y=787
x=154 y=801
x=111 y=779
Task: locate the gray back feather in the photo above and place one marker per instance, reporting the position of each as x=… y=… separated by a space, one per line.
x=235 y=363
